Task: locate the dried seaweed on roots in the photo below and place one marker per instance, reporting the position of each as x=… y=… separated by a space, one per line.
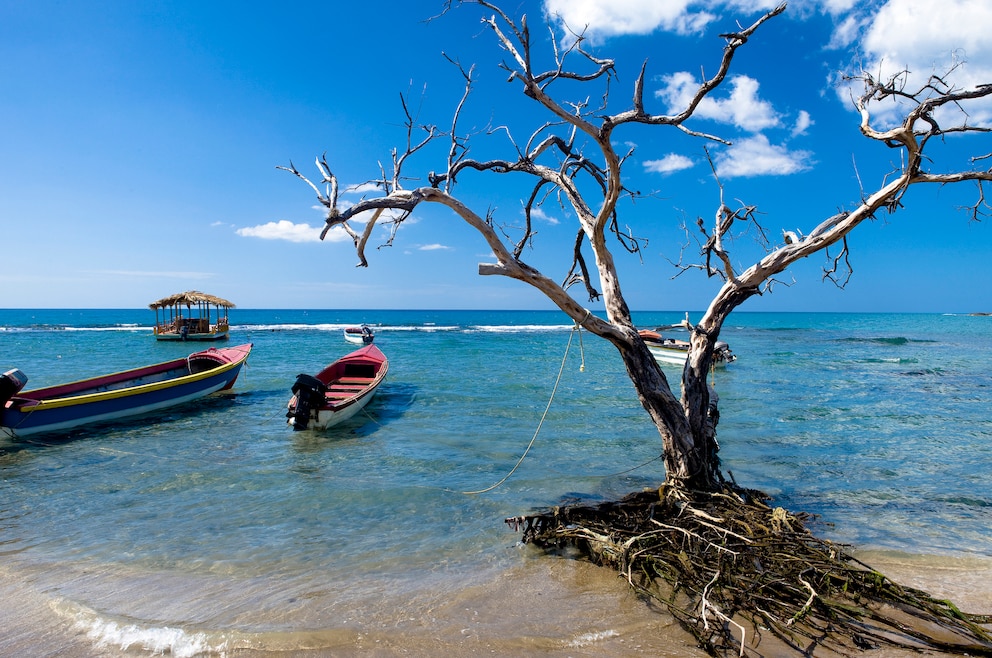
x=742 y=577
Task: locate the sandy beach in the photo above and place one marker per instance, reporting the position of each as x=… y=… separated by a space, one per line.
x=545 y=607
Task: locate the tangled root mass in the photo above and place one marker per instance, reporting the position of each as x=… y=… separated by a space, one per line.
x=741 y=576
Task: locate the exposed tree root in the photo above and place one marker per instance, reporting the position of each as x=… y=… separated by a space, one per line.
x=732 y=570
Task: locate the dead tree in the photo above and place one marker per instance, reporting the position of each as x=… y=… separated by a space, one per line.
x=571 y=158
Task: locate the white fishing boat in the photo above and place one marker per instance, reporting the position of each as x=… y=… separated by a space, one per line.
x=362 y=335
x=672 y=351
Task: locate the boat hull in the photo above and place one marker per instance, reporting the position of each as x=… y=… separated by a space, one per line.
x=329 y=417
x=192 y=337
x=670 y=357
x=122 y=395
x=339 y=391
x=174 y=335
x=193 y=323
x=669 y=351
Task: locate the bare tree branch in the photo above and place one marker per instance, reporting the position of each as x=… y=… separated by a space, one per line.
x=571 y=156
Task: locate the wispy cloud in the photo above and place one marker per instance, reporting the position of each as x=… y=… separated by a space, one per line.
x=433 y=247
x=540 y=214
x=361 y=188
x=159 y=274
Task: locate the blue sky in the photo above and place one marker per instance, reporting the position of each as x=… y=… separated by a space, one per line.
x=140 y=143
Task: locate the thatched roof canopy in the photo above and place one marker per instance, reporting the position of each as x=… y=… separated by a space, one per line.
x=190 y=298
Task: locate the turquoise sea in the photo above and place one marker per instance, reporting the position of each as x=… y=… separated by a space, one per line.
x=214 y=529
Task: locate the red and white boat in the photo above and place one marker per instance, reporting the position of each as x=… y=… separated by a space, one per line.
x=337 y=392
x=118 y=395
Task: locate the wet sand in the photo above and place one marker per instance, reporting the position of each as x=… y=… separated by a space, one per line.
x=542 y=607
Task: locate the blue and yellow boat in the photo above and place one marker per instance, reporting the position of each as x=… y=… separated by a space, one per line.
x=118 y=395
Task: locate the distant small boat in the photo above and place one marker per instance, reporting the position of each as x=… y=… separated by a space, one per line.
x=362 y=335
x=118 y=395
x=197 y=323
x=337 y=392
x=674 y=351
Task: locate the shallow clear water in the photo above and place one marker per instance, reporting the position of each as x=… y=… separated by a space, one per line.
x=219 y=524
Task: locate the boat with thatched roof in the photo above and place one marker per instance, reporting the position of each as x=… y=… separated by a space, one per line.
x=191 y=315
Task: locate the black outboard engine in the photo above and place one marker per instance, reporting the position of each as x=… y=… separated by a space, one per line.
x=11 y=383
x=309 y=392
x=721 y=352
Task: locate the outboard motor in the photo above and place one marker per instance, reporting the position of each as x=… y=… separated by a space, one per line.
x=309 y=392
x=722 y=351
x=11 y=383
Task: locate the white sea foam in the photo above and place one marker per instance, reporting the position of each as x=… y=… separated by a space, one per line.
x=587 y=639
x=520 y=328
x=158 y=640
x=120 y=327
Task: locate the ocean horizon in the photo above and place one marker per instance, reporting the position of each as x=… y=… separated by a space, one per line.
x=214 y=529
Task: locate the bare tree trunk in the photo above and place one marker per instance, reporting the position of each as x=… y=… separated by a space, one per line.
x=688 y=460
x=699 y=403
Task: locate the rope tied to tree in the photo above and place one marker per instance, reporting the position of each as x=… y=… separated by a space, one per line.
x=540 y=424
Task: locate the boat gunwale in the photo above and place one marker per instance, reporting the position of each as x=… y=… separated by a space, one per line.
x=368 y=355
x=367 y=389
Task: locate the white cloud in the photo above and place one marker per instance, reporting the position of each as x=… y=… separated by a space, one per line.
x=361 y=188
x=803 y=122
x=756 y=156
x=847 y=31
x=599 y=19
x=926 y=37
x=287 y=230
x=538 y=213
x=904 y=32
x=670 y=163
x=742 y=108
x=923 y=36
x=433 y=247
